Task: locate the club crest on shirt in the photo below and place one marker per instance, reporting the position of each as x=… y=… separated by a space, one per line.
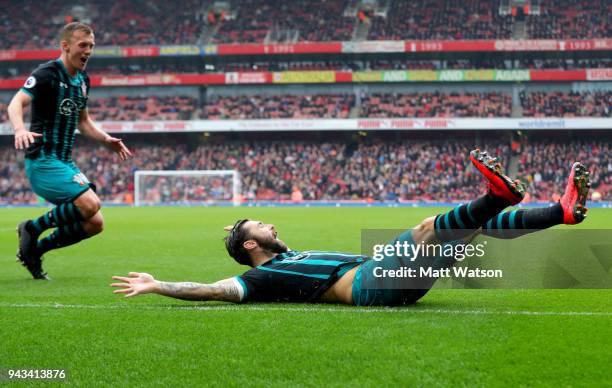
x=80 y=178
x=68 y=107
x=84 y=89
x=30 y=82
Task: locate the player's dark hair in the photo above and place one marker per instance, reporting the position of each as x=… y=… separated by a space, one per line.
x=70 y=28
x=234 y=243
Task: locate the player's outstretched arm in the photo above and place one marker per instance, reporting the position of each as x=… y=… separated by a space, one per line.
x=88 y=128
x=227 y=290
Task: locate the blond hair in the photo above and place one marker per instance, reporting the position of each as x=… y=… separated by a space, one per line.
x=69 y=29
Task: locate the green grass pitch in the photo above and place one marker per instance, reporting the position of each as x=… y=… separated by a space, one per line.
x=450 y=338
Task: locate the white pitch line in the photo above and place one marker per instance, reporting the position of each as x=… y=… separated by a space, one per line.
x=314 y=309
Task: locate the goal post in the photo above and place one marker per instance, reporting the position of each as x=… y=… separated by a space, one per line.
x=187 y=187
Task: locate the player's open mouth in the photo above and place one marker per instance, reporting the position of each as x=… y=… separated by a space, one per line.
x=84 y=60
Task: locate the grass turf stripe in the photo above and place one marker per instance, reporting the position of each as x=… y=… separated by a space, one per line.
x=314 y=309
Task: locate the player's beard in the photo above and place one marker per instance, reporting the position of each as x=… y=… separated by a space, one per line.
x=272 y=245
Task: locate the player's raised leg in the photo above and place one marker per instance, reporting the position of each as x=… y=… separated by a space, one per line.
x=458 y=225
x=571 y=209
x=465 y=219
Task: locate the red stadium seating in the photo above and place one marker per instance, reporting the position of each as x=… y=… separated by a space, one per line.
x=279 y=107
x=573 y=104
x=442 y=19
x=156 y=22
x=571 y=19
x=437 y=105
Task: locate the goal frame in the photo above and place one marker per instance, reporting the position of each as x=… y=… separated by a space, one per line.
x=236 y=182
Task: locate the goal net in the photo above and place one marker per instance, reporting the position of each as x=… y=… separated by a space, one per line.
x=187 y=187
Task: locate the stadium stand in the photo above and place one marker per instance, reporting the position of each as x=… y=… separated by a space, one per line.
x=273 y=107
x=324 y=169
x=307 y=21
x=424 y=104
x=38 y=30
x=378 y=170
x=571 y=19
x=573 y=104
x=255 y=21
x=374 y=105
x=441 y=19
x=14 y=186
x=542 y=163
x=120 y=23
x=142 y=108
x=148 y=22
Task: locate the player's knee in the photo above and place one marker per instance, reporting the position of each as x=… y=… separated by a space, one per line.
x=98 y=224
x=90 y=207
x=425 y=230
x=95 y=224
x=426 y=225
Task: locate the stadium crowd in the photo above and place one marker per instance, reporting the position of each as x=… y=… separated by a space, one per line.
x=377 y=105
x=542 y=166
x=421 y=170
x=559 y=104
x=441 y=19
x=373 y=105
x=302 y=20
x=31 y=24
x=424 y=104
x=127 y=22
x=571 y=19
x=278 y=107
x=142 y=108
x=14 y=187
